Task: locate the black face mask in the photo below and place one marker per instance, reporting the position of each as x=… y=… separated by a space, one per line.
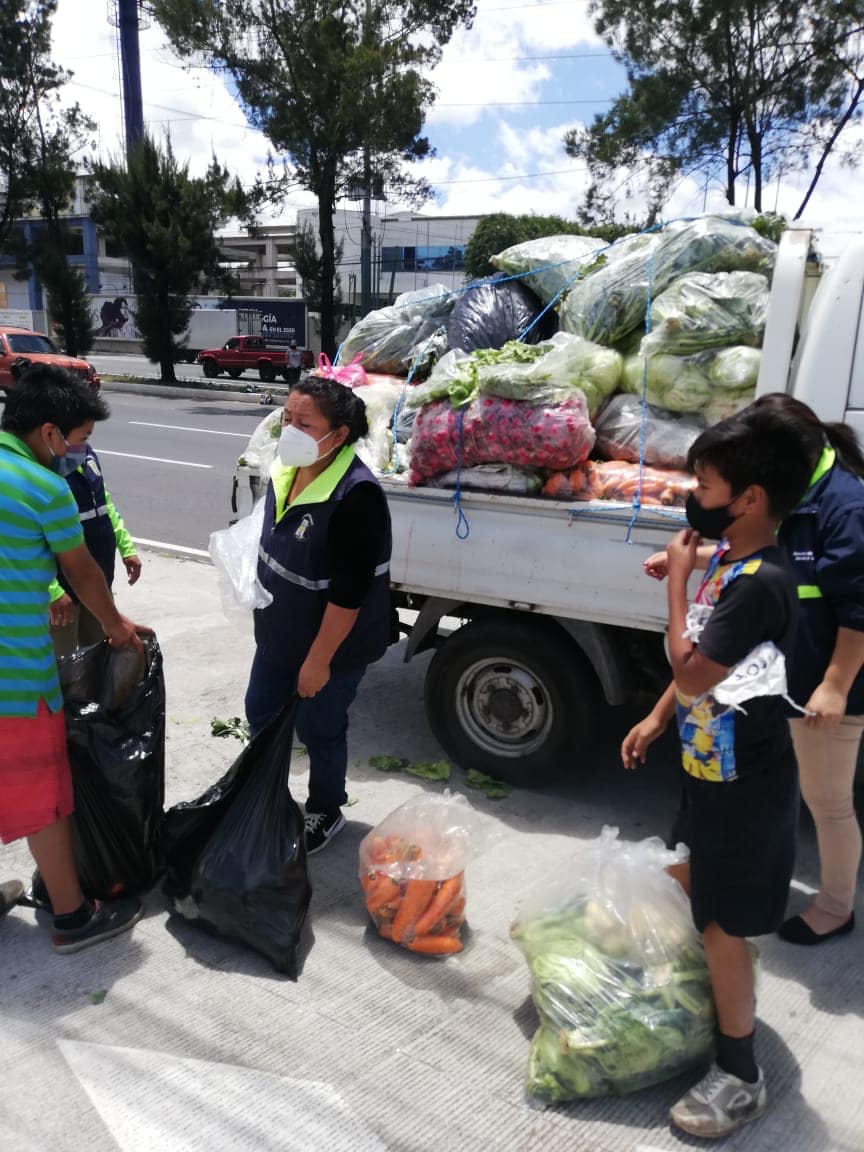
x=710 y=523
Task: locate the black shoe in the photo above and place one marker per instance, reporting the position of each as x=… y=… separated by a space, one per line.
x=798 y=931
x=10 y=893
x=321 y=827
x=107 y=920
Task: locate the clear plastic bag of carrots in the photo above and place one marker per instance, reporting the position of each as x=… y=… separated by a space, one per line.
x=412 y=871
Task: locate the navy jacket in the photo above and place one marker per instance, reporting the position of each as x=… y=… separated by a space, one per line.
x=88 y=488
x=292 y=565
x=824 y=538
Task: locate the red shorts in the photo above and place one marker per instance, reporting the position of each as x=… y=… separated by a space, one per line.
x=35 y=781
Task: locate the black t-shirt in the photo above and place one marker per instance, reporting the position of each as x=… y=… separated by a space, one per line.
x=357 y=531
x=755 y=601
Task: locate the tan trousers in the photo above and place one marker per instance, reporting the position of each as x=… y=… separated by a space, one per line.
x=84 y=630
x=826 y=762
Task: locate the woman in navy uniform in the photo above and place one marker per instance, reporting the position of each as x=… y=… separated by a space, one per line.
x=325 y=557
x=824 y=540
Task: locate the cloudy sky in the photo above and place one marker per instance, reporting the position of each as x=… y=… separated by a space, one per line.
x=508 y=90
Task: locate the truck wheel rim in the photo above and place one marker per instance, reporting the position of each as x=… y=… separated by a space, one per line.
x=503 y=707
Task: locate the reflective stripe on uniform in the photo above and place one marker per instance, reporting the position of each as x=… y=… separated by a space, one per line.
x=809 y=592
x=301 y=581
x=102 y=510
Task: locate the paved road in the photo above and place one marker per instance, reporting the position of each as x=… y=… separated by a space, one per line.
x=169 y=464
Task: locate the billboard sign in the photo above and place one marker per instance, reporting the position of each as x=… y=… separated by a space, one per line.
x=281 y=320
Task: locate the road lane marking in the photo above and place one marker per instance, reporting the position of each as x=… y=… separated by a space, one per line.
x=170 y=547
x=183 y=428
x=154 y=459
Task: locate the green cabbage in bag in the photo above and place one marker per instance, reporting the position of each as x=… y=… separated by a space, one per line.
x=702 y=311
x=610 y=302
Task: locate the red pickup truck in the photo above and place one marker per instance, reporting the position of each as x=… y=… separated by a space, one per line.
x=242 y=352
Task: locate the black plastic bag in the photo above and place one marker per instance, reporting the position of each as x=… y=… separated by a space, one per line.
x=236 y=857
x=115 y=725
x=489 y=313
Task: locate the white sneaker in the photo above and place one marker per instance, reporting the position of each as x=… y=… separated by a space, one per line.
x=719 y=1104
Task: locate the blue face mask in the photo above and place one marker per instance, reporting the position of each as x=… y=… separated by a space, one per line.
x=76 y=455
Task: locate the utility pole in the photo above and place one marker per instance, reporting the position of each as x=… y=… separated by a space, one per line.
x=366 y=226
x=130 y=54
x=366 y=238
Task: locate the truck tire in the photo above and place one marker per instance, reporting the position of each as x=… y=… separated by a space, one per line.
x=267 y=372
x=235 y=373
x=211 y=371
x=511 y=699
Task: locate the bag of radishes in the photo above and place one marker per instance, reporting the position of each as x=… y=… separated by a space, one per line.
x=491 y=430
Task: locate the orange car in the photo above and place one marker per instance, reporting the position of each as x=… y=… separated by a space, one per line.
x=19 y=347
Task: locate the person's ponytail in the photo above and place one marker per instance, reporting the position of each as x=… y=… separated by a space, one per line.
x=814 y=432
x=844 y=441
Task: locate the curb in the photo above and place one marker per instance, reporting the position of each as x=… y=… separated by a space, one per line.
x=181 y=392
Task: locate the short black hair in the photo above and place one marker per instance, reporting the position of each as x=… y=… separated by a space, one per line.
x=338 y=403
x=758 y=446
x=47 y=394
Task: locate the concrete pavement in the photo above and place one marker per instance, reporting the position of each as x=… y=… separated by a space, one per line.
x=199 y=1044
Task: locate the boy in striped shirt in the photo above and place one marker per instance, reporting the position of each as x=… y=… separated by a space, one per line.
x=46 y=422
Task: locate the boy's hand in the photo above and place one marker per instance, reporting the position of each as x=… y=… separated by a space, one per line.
x=657 y=565
x=61 y=612
x=133 y=568
x=682 y=555
x=638 y=739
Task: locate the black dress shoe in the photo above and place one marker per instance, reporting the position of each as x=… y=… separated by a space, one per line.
x=798 y=931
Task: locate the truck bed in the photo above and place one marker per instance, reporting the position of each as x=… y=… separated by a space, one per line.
x=545 y=556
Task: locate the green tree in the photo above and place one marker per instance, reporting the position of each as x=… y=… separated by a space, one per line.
x=38 y=141
x=309 y=263
x=338 y=87
x=29 y=88
x=723 y=89
x=166 y=220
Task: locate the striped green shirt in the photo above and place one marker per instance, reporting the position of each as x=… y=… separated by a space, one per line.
x=38 y=519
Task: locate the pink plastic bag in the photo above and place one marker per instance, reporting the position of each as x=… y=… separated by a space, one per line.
x=352 y=375
x=497 y=431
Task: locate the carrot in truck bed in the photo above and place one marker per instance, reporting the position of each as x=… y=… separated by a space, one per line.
x=418 y=894
x=449 y=891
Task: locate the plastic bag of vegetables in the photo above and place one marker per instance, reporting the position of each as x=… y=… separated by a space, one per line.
x=667 y=435
x=610 y=300
x=412 y=329
x=691 y=383
x=543 y=374
x=704 y=311
x=412 y=871
x=620 y=480
x=618 y=975
x=494 y=431
x=380 y=395
x=491 y=312
x=550 y=262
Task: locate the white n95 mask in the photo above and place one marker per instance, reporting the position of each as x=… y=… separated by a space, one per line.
x=298 y=449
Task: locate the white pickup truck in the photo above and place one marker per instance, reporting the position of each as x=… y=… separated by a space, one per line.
x=544 y=609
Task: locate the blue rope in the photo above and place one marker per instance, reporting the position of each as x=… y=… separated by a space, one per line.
x=463 y=529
